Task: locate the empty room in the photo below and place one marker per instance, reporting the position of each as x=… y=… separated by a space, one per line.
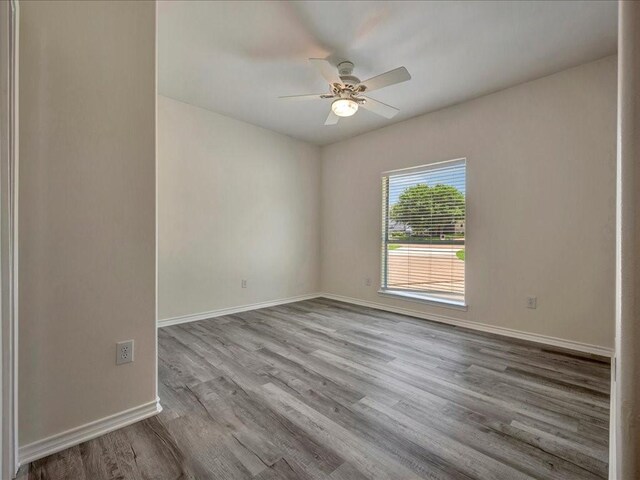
x=337 y=240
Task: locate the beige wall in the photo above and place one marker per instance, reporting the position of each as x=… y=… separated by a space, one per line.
x=540 y=195
x=87 y=211
x=625 y=444
x=235 y=202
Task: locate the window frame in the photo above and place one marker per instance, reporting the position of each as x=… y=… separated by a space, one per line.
x=404 y=294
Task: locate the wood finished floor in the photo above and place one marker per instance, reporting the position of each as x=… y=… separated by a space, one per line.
x=322 y=389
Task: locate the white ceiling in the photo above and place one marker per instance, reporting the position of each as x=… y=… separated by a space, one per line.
x=236 y=58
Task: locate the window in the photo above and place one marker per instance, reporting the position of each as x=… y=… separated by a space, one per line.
x=423 y=246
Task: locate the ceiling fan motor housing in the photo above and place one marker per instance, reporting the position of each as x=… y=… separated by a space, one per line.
x=345 y=70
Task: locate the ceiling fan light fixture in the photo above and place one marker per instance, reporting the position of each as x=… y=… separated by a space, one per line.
x=344 y=107
x=347 y=89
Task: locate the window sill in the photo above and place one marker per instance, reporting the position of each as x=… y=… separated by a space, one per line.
x=416 y=297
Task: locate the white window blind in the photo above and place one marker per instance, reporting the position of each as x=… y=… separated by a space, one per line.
x=423 y=247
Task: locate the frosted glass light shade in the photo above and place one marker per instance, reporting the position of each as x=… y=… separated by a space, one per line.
x=344 y=107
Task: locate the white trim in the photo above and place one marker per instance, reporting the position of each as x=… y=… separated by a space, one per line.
x=423 y=298
x=425 y=168
x=483 y=327
x=9 y=24
x=231 y=310
x=155 y=186
x=89 y=431
x=56 y=443
x=405 y=295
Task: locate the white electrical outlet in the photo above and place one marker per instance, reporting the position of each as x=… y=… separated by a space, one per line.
x=367 y=282
x=532 y=302
x=243 y=284
x=124 y=352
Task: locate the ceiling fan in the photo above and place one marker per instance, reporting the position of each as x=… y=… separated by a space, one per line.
x=348 y=91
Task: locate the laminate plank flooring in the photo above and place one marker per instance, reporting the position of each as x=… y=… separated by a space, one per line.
x=326 y=390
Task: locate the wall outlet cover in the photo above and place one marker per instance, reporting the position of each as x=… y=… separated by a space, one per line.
x=532 y=302
x=124 y=352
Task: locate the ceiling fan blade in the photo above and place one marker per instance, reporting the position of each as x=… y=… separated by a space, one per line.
x=313 y=96
x=332 y=119
x=328 y=71
x=391 y=77
x=379 y=108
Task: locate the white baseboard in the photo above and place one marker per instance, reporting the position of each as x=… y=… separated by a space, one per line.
x=231 y=310
x=56 y=443
x=483 y=327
